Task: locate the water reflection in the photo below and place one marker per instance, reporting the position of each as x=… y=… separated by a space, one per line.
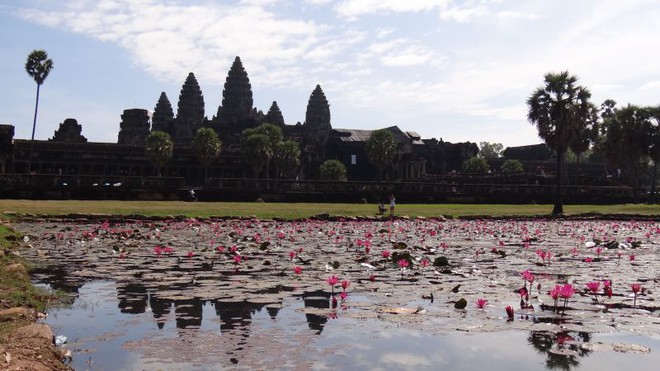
x=562 y=349
x=320 y=300
x=132 y=298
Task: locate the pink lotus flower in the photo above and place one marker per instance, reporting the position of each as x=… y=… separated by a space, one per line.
x=636 y=288
x=598 y=251
x=593 y=286
x=509 y=312
x=403 y=263
x=425 y=263
x=292 y=254
x=481 y=303
x=220 y=249
x=190 y=254
x=554 y=293
x=168 y=250
x=332 y=280
x=567 y=291
x=527 y=276
x=372 y=278
x=297 y=270
x=386 y=254
x=607 y=288
x=588 y=259
x=158 y=250
x=631 y=257
x=237 y=259
x=345 y=284
x=343 y=295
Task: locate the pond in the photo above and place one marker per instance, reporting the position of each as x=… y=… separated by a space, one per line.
x=189 y=294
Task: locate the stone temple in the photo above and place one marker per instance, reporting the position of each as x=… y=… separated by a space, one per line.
x=69 y=152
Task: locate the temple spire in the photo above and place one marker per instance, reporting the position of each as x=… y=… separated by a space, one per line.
x=236 y=96
x=317 y=118
x=163 y=114
x=190 y=113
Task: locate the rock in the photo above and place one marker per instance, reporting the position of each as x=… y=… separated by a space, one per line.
x=16 y=312
x=16 y=268
x=36 y=330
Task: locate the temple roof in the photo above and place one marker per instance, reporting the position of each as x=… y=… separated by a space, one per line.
x=359 y=135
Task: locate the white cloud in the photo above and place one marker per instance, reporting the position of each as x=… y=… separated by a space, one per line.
x=477 y=59
x=354 y=8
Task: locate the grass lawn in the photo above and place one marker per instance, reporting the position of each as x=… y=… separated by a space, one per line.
x=297 y=210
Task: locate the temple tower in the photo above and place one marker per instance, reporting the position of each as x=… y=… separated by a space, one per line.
x=163 y=115
x=190 y=113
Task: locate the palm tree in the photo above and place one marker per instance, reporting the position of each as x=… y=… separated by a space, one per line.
x=270 y=136
x=585 y=136
x=207 y=147
x=38 y=66
x=381 y=149
x=159 y=149
x=287 y=157
x=628 y=140
x=558 y=109
x=258 y=151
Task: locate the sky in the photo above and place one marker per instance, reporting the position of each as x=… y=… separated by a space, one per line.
x=446 y=69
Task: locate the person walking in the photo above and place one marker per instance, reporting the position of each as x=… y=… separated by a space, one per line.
x=392 y=204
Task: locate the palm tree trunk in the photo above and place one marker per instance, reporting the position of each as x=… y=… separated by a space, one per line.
x=577 y=172
x=558 y=208
x=34 y=126
x=653 y=178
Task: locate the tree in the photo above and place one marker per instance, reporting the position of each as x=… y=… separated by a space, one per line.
x=207 y=147
x=627 y=140
x=475 y=165
x=333 y=170
x=287 y=157
x=38 y=66
x=381 y=149
x=585 y=135
x=264 y=154
x=511 y=166
x=258 y=150
x=490 y=150
x=159 y=149
x=558 y=109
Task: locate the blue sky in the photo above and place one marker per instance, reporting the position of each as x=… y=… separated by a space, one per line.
x=456 y=70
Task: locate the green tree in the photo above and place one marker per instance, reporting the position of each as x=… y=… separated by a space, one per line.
x=475 y=165
x=627 y=141
x=38 y=66
x=159 y=149
x=333 y=170
x=585 y=135
x=269 y=137
x=258 y=151
x=207 y=147
x=287 y=158
x=490 y=150
x=558 y=109
x=381 y=149
x=511 y=166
